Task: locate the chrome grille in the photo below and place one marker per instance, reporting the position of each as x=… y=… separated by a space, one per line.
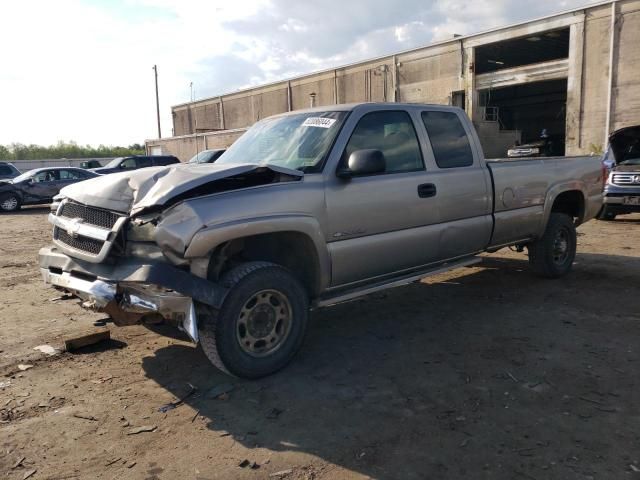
x=626 y=178
x=91 y=215
x=84 y=244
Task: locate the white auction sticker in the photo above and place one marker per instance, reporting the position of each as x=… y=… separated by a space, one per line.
x=319 y=122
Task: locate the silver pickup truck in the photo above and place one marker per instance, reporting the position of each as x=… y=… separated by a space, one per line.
x=305 y=210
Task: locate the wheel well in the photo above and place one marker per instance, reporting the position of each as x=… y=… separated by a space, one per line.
x=293 y=250
x=570 y=203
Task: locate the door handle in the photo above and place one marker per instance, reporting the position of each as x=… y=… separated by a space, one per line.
x=427 y=190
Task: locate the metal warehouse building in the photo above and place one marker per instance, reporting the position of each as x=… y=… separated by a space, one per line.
x=551 y=73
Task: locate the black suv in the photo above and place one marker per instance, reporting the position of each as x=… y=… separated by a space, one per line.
x=8 y=171
x=134 y=162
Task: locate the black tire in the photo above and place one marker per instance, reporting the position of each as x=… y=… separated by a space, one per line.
x=249 y=356
x=10 y=202
x=606 y=214
x=552 y=255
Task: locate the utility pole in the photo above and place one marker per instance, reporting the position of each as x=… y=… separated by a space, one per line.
x=155 y=71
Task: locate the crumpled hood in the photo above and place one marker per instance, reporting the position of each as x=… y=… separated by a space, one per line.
x=134 y=191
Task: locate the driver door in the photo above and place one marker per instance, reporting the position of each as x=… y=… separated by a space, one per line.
x=379 y=223
x=43 y=187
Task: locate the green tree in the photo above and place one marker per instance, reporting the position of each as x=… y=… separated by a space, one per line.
x=19 y=151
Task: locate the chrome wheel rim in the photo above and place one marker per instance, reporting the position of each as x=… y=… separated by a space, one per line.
x=9 y=203
x=561 y=247
x=264 y=323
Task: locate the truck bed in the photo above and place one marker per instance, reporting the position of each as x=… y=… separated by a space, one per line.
x=521 y=186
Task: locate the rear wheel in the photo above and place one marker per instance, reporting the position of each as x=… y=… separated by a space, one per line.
x=261 y=324
x=552 y=255
x=9 y=202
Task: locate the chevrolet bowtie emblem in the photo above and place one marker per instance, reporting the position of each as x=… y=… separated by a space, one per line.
x=636 y=179
x=73 y=227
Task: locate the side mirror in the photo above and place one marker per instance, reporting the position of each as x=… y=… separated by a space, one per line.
x=363 y=162
x=31 y=181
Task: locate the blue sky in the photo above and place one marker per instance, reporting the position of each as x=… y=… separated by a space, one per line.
x=82 y=70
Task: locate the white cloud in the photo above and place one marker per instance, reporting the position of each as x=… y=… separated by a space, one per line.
x=81 y=69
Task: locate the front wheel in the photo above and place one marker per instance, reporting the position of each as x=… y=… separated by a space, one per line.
x=261 y=324
x=9 y=202
x=552 y=255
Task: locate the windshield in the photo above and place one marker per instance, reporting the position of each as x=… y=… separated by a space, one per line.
x=202 y=157
x=299 y=142
x=114 y=163
x=24 y=176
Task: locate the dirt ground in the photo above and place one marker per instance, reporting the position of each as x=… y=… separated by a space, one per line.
x=484 y=372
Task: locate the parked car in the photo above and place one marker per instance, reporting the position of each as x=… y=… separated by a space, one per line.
x=8 y=171
x=309 y=209
x=546 y=146
x=90 y=164
x=622 y=158
x=207 y=156
x=38 y=186
x=134 y=162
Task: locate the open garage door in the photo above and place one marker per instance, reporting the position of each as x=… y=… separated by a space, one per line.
x=528 y=111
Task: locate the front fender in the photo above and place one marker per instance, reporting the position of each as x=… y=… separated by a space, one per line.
x=205 y=241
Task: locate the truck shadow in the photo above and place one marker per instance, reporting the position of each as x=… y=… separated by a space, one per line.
x=467 y=377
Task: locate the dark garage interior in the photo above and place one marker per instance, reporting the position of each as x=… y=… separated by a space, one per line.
x=531 y=108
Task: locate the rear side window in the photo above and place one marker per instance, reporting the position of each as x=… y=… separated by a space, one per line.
x=128 y=163
x=160 y=161
x=5 y=170
x=70 y=175
x=448 y=138
x=143 y=162
x=393 y=134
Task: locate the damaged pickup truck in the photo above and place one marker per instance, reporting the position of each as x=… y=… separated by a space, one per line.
x=305 y=210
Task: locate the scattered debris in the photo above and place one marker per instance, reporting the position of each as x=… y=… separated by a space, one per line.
x=62 y=297
x=47 y=350
x=512 y=377
x=244 y=463
x=132 y=464
x=85 y=416
x=28 y=474
x=75 y=343
x=281 y=473
x=18 y=463
x=98 y=381
x=195 y=416
x=220 y=390
x=111 y=462
x=274 y=413
x=4 y=385
x=144 y=428
x=23 y=367
x=634 y=468
x=177 y=403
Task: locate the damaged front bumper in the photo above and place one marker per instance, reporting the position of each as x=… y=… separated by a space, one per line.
x=133 y=290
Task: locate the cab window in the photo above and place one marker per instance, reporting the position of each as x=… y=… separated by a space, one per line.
x=449 y=140
x=392 y=133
